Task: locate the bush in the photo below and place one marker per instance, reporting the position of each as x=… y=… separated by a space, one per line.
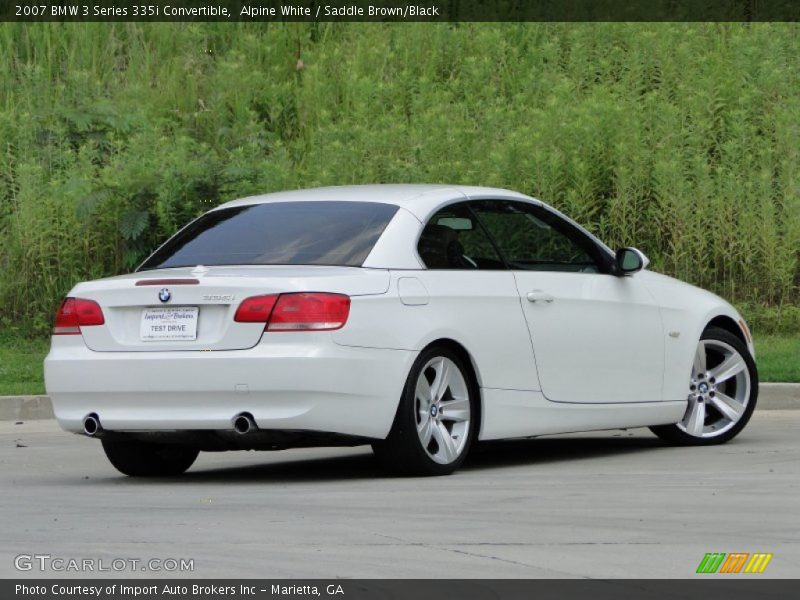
x=781 y=320
x=683 y=139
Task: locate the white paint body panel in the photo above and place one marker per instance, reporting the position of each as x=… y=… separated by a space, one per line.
x=292 y=382
x=599 y=356
x=685 y=310
x=607 y=329
x=513 y=412
x=482 y=315
x=123 y=301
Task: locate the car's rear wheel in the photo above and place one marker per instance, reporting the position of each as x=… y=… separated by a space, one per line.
x=723 y=389
x=437 y=418
x=145 y=459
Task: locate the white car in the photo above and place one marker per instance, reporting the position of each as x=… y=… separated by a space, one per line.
x=415 y=318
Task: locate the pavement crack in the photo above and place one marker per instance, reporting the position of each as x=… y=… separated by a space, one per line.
x=452 y=550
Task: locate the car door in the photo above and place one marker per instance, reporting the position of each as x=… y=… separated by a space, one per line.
x=597 y=337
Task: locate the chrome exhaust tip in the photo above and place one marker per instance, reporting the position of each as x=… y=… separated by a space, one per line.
x=244 y=423
x=91 y=425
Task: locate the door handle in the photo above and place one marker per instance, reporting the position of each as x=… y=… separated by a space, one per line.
x=540 y=296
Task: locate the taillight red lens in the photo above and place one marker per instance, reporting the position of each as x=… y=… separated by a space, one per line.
x=66 y=318
x=301 y=311
x=256 y=309
x=307 y=311
x=75 y=313
x=89 y=312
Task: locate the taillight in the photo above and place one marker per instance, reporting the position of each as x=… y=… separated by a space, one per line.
x=309 y=311
x=75 y=313
x=302 y=311
x=256 y=309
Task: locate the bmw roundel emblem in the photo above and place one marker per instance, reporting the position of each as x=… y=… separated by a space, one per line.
x=164 y=295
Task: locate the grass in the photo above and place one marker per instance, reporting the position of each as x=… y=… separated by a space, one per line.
x=778 y=358
x=21 y=365
x=21 y=362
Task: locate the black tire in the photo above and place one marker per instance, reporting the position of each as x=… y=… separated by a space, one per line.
x=402 y=451
x=145 y=459
x=677 y=436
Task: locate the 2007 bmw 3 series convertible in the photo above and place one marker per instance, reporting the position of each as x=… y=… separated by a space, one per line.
x=415 y=318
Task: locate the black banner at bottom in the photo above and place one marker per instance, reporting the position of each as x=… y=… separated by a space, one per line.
x=728 y=588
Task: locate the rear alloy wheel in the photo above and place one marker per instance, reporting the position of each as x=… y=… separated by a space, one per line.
x=436 y=419
x=723 y=389
x=145 y=459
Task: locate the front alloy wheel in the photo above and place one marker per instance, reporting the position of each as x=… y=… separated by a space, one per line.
x=436 y=418
x=723 y=389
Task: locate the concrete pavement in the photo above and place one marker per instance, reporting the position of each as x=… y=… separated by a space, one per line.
x=617 y=504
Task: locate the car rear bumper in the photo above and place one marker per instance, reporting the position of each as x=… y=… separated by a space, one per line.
x=293 y=382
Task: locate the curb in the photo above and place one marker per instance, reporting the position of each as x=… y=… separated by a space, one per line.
x=778 y=396
x=772 y=396
x=25 y=408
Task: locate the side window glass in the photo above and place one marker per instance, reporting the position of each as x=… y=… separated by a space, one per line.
x=533 y=239
x=453 y=239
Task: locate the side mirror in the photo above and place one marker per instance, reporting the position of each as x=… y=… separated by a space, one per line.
x=630 y=261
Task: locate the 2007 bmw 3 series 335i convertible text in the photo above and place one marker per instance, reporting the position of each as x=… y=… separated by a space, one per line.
x=415 y=318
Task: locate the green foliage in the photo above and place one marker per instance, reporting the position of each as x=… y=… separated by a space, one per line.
x=777 y=358
x=779 y=320
x=683 y=139
x=21 y=360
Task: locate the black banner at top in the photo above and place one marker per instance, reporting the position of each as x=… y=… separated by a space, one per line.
x=398 y=10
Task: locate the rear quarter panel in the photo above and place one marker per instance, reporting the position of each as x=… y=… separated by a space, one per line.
x=478 y=309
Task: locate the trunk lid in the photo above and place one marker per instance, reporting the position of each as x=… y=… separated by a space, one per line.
x=206 y=298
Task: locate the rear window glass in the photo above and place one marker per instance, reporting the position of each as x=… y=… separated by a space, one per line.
x=278 y=233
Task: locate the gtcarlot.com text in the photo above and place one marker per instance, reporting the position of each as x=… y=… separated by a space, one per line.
x=58 y=564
